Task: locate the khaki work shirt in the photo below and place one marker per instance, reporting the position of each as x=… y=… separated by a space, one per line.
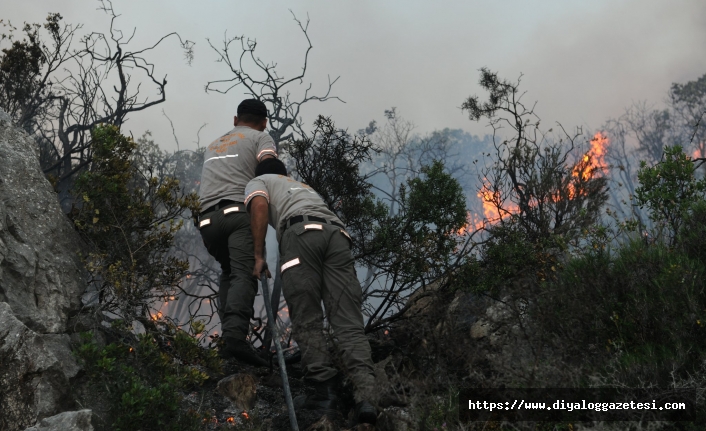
x=287 y=198
x=230 y=162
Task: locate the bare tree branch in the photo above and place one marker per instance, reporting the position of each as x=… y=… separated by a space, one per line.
x=261 y=81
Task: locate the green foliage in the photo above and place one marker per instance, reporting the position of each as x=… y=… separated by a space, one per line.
x=129 y=219
x=693 y=231
x=425 y=195
x=419 y=242
x=509 y=257
x=21 y=65
x=418 y=246
x=441 y=414
x=647 y=314
x=669 y=189
x=143 y=382
x=329 y=161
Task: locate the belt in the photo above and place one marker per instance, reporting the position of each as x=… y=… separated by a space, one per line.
x=301 y=218
x=221 y=204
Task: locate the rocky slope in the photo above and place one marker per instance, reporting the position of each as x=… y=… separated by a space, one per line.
x=41 y=282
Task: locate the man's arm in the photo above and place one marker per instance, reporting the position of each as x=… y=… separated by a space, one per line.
x=266 y=147
x=258 y=223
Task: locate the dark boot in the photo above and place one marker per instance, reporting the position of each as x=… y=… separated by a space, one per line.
x=324 y=398
x=242 y=351
x=365 y=413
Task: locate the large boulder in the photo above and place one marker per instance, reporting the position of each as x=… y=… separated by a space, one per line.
x=40 y=271
x=35 y=373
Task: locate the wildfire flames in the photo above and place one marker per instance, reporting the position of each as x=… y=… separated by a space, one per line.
x=599 y=148
x=245 y=415
x=491 y=214
x=592 y=161
x=491 y=200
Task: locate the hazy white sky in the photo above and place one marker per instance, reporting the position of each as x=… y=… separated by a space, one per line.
x=583 y=61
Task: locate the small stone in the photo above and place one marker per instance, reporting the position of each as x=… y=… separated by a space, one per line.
x=479 y=329
x=240 y=389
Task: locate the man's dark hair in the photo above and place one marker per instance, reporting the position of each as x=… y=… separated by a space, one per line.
x=270 y=166
x=251 y=111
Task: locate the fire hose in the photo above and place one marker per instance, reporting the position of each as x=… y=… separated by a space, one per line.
x=280 y=356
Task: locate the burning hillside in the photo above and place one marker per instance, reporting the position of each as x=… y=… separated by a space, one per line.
x=496 y=207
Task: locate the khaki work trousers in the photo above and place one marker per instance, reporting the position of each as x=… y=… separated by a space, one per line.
x=228 y=238
x=318 y=266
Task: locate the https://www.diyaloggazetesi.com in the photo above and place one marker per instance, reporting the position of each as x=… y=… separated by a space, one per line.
x=577 y=404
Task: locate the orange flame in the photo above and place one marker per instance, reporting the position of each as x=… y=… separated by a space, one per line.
x=599 y=148
x=491 y=201
x=591 y=162
x=491 y=214
x=594 y=158
x=245 y=415
x=472 y=224
x=230 y=420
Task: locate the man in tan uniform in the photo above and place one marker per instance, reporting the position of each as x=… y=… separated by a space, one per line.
x=317 y=266
x=229 y=163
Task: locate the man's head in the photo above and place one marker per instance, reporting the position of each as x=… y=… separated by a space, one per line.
x=270 y=166
x=251 y=113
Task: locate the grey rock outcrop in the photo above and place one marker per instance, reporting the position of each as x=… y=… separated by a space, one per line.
x=35 y=372
x=40 y=271
x=67 y=421
x=41 y=282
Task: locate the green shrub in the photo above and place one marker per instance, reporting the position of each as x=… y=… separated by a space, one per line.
x=691 y=239
x=128 y=217
x=509 y=258
x=669 y=189
x=143 y=383
x=441 y=414
x=660 y=294
x=644 y=308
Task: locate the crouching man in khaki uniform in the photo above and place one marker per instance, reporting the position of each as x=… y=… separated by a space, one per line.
x=317 y=266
